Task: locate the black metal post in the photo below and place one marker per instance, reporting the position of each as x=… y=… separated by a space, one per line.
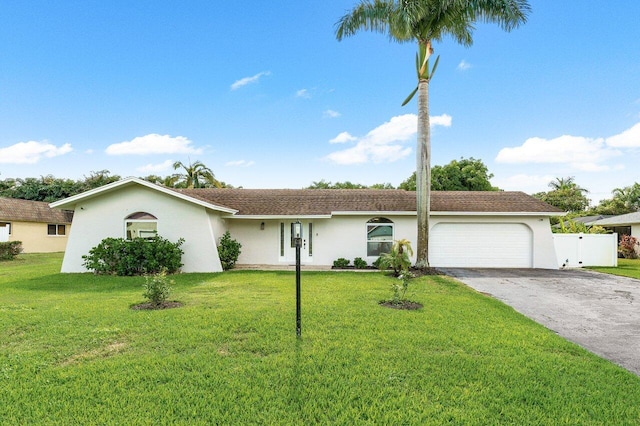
x=298 y=314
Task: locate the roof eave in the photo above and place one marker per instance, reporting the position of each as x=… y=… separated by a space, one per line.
x=71 y=202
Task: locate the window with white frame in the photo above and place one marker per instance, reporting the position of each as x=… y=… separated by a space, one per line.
x=6 y=225
x=379 y=236
x=56 y=229
x=141 y=225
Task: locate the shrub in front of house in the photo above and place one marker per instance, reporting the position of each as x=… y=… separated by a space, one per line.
x=10 y=249
x=228 y=251
x=139 y=256
x=341 y=262
x=360 y=263
x=627 y=247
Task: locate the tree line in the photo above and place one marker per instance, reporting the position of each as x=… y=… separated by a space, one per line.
x=466 y=174
x=49 y=188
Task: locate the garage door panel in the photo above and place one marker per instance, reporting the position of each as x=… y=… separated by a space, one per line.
x=488 y=245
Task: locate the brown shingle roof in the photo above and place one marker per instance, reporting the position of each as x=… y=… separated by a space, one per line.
x=305 y=202
x=13 y=209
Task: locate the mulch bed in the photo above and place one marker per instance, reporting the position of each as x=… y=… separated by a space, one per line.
x=148 y=306
x=405 y=304
x=423 y=272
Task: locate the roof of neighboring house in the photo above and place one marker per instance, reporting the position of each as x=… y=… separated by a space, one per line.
x=624 y=219
x=273 y=202
x=587 y=220
x=13 y=209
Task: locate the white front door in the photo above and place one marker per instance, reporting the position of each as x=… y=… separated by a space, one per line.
x=287 y=244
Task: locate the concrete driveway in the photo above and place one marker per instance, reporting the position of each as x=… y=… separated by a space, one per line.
x=599 y=312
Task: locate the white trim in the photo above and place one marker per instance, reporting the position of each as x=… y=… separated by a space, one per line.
x=373 y=213
x=443 y=213
x=69 y=203
x=453 y=213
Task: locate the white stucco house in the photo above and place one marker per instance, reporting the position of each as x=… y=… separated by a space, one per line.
x=467 y=229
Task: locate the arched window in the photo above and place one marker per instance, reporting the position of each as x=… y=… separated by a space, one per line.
x=141 y=225
x=379 y=236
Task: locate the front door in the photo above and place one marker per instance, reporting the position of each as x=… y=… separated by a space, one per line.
x=287 y=243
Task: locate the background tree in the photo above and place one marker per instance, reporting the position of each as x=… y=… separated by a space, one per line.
x=323 y=184
x=466 y=174
x=45 y=188
x=196 y=175
x=624 y=200
x=565 y=195
x=98 y=179
x=424 y=22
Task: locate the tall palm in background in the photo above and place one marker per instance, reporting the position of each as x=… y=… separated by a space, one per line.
x=424 y=22
x=196 y=175
x=565 y=184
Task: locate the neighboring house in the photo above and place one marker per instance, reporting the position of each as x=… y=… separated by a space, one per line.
x=40 y=228
x=475 y=229
x=625 y=224
x=588 y=221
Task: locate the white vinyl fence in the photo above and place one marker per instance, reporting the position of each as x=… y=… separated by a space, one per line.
x=577 y=250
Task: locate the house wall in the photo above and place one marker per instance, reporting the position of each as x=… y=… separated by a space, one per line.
x=104 y=216
x=35 y=239
x=340 y=236
x=346 y=236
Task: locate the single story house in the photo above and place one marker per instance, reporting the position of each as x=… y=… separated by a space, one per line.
x=625 y=224
x=473 y=229
x=40 y=228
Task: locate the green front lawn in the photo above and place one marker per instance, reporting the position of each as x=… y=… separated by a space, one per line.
x=73 y=352
x=626 y=268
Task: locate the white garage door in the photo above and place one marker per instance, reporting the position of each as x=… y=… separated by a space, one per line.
x=481 y=245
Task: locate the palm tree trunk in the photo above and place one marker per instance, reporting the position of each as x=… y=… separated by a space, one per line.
x=423 y=175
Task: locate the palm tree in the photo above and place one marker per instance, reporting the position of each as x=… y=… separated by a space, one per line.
x=629 y=195
x=568 y=183
x=194 y=173
x=424 y=22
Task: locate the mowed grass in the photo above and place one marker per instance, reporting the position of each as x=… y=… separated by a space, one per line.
x=626 y=268
x=73 y=352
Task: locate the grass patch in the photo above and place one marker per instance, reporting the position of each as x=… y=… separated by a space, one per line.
x=73 y=352
x=626 y=268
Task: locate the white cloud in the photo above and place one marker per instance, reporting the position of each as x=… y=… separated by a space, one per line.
x=578 y=152
x=440 y=120
x=153 y=168
x=343 y=137
x=464 y=65
x=303 y=93
x=524 y=182
x=331 y=114
x=630 y=138
x=240 y=163
x=31 y=152
x=384 y=144
x=153 y=144
x=249 y=80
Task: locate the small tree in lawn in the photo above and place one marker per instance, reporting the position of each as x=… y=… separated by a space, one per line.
x=157 y=288
x=398 y=258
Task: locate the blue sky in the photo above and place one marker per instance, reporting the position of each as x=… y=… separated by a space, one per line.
x=264 y=94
